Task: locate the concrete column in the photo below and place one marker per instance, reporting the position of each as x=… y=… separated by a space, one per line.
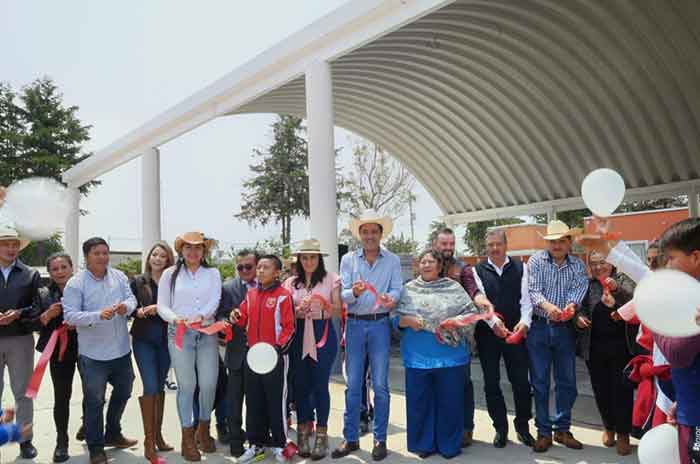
x=150 y=200
x=71 y=239
x=322 y=188
x=551 y=214
x=693 y=204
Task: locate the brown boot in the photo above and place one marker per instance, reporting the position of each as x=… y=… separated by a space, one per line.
x=160 y=442
x=567 y=439
x=205 y=442
x=303 y=440
x=148 y=415
x=467 y=439
x=542 y=444
x=320 y=444
x=609 y=438
x=623 y=446
x=189 y=448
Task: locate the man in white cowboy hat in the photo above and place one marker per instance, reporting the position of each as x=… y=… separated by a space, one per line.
x=98 y=301
x=19 y=290
x=368 y=329
x=557 y=284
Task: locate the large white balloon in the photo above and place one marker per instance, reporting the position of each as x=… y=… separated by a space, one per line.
x=603 y=190
x=262 y=358
x=38 y=206
x=659 y=445
x=666 y=302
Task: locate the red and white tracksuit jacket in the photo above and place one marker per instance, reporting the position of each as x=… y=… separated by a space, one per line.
x=267 y=315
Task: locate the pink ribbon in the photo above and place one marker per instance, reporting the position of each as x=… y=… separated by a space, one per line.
x=59 y=335
x=211 y=329
x=310 y=345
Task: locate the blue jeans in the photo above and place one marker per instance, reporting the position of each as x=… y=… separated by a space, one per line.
x=153 y=362
x=311 y=395
x=367 y=339
x=434 y=408
x=95 y=376
x=552 y=345
x=468 y=398
x=220 y=401
x=202 y=351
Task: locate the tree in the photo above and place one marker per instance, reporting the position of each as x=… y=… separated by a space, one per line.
x=376 y=181
x=39 y=136
x=475 y=235
x=279 y=188
x=400 y=244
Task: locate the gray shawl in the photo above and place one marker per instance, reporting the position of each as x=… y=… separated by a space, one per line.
x=435 y=302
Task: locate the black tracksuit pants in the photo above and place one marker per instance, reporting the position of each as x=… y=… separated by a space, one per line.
x=266 y=405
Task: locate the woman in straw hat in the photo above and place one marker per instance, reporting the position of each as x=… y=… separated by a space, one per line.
x=149 y=334
x=316 y=296
x=189 y=292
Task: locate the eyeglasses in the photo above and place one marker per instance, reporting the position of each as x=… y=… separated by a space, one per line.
x=244 y=267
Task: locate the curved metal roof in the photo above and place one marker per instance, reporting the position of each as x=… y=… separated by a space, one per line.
x=496 y=104
x=498 y=107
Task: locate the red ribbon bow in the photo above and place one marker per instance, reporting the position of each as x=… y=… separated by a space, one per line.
x=59 y=335
x=290 y=450
x=454 y=324
x=642 y=371
x=211 y=329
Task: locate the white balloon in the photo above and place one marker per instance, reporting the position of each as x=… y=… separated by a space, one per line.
x=262 y=358
x=666 y=302
x=659 y=445
x=38 y=206
x=603 y=190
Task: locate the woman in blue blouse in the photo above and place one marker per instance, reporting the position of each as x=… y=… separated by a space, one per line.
x=434 y=369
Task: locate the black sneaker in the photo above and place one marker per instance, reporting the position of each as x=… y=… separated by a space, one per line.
x=237 y=450
x=27 y=450
x=80 y=436
x=60 y=454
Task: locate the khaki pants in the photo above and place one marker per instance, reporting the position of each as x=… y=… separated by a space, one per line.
x=17 y=353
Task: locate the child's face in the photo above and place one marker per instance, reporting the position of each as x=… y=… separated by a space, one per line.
x=688 y=263
x=267 y=272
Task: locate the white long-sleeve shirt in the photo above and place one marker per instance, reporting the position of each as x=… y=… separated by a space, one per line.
x=525 y=302
x=627 y=261
x=195 y=294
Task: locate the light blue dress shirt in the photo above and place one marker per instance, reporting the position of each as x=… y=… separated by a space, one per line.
x=384 y=274
x=6 y=270
x=84 y=298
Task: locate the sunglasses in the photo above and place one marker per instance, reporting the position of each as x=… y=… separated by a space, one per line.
x=244 y=267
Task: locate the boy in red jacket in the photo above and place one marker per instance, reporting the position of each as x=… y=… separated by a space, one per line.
x=267 y=316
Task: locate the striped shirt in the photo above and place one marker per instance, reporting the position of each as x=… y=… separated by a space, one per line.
x=558 y=285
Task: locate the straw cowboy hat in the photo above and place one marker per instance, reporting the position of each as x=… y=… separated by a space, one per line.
x=557 y=229
x=194 y=238
x=370 y=216
x=309 y=247
x=9 y=232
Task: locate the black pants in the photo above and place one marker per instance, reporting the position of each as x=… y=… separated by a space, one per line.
x=62 y=373
x=614 y=395
x=266 y=404
x=235 y=389
x=491 y=349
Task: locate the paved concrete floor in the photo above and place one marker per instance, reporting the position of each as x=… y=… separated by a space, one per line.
x=481 y=452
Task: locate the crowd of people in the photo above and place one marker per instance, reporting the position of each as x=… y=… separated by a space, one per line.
x=536 y=316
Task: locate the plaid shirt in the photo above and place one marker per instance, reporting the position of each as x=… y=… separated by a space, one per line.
x=559 y=285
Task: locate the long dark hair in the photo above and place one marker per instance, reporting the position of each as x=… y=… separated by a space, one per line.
x=178 y=265
x=316 y=277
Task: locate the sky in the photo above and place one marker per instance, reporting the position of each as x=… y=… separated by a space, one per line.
x=123 y=63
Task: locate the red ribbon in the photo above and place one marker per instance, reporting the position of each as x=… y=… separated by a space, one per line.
x=604 y=282
x=158 y=460
x=211 y=329
x=377 y=301
x=328 y=308
x=513 y=338
x=454 y=324
x=567 y=314
x=59 y=335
